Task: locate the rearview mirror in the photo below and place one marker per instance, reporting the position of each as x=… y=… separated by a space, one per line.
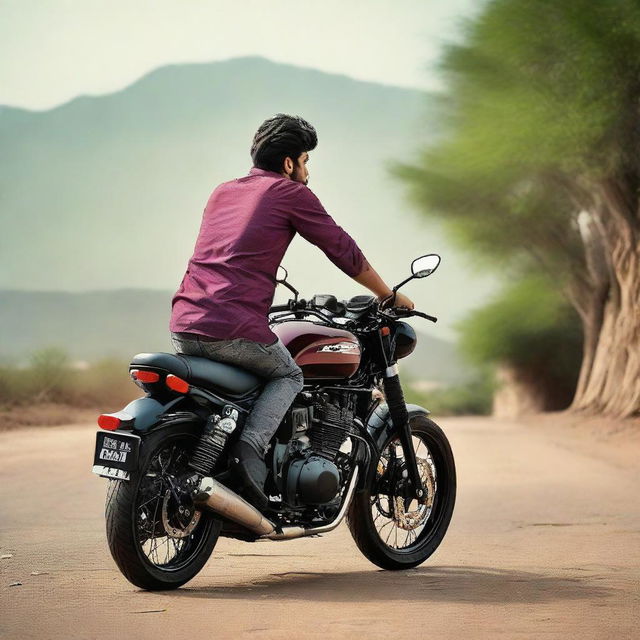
x=281 y=278
x=425 y=265
x=281 y=274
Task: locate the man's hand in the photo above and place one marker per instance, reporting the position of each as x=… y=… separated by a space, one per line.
x=370 y=279
x=400 y=301
x=403 y=301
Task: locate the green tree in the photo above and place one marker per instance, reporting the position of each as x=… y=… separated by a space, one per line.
x=537 y=167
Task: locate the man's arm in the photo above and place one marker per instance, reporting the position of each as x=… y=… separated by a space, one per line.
x=310 y=219
x=312 y=222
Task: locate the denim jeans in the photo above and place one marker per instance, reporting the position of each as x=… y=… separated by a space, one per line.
x=270 y=361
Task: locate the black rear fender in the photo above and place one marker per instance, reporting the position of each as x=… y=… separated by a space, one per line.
x=143 y=414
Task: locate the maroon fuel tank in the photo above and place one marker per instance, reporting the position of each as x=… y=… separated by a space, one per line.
x=320 y=351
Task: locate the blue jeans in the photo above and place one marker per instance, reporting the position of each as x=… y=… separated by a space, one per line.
x=270 y=361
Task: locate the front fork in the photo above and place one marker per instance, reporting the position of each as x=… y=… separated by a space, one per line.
x=399 y=415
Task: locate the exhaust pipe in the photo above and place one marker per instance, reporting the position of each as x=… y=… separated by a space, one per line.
x=222 y=500
x=214 y=495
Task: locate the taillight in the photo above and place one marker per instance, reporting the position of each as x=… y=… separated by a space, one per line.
x=177 y=384
x=108 y=422
x=145 y=376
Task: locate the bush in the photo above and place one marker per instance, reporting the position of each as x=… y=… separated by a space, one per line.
x=51 y=378
x=474 y=397
x=16 y=385
x=533 y=329
x=106 y=383
x=529 y=324
x=49 y=374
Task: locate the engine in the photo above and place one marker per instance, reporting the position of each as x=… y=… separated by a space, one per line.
x=309 y=453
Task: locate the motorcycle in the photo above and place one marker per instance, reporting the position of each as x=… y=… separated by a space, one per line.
x=349 y=446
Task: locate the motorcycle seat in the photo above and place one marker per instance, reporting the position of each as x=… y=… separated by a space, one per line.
x=201 y=372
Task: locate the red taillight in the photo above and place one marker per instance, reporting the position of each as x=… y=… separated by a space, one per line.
x=110 y=423
x=145 y=376
x=385 y=331
x=177 y=384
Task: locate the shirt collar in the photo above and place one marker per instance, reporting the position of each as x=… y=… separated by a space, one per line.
x=255 y=171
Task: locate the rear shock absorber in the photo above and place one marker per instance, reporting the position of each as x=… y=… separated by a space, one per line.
x=213 y=440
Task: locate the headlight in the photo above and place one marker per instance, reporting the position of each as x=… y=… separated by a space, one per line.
x=404 y=340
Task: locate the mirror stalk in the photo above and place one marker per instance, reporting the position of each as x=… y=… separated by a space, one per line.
x=401 y=284
x=292 y=289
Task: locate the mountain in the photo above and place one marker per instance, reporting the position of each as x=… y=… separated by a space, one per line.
x=119 y=324
x=107 y=192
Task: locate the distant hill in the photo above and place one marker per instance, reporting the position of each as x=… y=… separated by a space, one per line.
x=119 y=324
x=107 y=192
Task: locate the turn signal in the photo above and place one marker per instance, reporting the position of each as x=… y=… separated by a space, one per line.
x=145 y=376
x=177 y=384
x=110 y=423
x=385 y=331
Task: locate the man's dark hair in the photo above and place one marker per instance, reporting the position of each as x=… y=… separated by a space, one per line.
x=279 y=137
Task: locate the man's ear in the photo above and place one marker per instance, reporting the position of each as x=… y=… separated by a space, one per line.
x=288 y=165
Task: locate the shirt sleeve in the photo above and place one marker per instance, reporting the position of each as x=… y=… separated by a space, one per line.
x=309 y=218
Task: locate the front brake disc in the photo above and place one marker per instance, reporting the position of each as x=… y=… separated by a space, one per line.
x=409 y=520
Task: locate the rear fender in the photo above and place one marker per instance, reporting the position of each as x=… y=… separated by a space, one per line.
x=143 y=413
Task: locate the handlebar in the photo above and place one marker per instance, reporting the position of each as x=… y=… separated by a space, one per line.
x=292 y=305
x=404 y=312
x=391 y=313
x=426 y=316
x=280 y=307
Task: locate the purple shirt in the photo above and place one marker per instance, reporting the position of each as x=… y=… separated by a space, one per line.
x=247 y=225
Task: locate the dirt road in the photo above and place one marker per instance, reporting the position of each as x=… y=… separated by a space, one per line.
x=544 y=542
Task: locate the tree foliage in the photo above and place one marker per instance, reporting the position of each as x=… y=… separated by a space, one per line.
x=542 y=100
x=537 y=167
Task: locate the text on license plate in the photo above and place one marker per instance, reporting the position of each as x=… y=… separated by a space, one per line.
x=116 y=452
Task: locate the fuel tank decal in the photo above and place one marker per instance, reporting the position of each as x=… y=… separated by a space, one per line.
x=341 y=347
x=320 y=351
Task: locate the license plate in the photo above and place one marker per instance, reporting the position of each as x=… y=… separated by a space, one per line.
x=116 y=454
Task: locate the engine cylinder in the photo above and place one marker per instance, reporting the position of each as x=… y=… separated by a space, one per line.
x=332 y=420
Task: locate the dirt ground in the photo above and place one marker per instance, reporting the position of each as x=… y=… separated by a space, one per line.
x=544 y=542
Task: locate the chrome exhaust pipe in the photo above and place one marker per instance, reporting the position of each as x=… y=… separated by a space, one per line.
x=215 y=496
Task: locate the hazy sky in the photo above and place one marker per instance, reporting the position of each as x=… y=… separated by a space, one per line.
x=54 y=50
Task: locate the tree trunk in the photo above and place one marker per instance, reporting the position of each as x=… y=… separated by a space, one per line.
x=587 y=292
x=592 y=318
x=610 y=378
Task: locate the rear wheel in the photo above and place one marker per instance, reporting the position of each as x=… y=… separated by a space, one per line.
x=390 y=527
x=156 y=536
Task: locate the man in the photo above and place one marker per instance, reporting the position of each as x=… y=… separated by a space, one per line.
x=220 y=310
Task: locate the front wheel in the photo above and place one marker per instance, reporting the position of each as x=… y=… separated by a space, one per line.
x=391 y=528
x=157 y=538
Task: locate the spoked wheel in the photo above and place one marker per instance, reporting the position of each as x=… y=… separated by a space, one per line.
x=391 y=527
x=156 y=536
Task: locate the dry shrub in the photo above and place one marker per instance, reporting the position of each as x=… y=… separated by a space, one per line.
x=51 y=379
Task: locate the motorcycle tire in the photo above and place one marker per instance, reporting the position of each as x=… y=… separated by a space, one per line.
x=368 y=506
x=124 y=511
